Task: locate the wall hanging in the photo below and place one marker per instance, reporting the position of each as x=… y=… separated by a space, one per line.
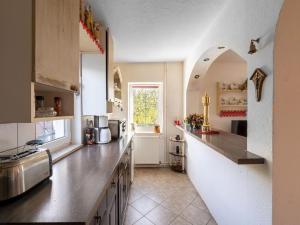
x=258 y=78
x=253 y=48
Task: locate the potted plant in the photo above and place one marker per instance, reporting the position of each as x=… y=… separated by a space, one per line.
x=194 y=120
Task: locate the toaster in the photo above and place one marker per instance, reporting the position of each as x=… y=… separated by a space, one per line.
x=21 y=172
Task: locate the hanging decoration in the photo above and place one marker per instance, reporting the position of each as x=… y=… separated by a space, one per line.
x=258 y=78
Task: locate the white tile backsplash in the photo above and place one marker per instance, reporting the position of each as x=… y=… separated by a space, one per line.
x=8 y=136
x=14 y=135
x=26 y=132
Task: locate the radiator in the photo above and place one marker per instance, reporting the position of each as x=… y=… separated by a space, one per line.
x=146 y=149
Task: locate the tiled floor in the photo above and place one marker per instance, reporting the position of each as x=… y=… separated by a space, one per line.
x=160 y=196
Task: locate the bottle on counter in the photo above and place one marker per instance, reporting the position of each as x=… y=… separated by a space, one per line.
x=58 y=106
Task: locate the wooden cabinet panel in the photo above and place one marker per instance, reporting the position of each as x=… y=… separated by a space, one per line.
x=16 y=60
x=57 y=43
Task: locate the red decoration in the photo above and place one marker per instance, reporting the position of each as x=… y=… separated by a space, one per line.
x=92 y=37
x=233 y=113
x=177 y=122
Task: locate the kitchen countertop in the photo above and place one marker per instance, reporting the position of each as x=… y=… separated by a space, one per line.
x=233 y=147
x=73 y=192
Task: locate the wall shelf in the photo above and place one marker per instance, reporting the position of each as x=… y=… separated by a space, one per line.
x=49 y=93
x=231 y=110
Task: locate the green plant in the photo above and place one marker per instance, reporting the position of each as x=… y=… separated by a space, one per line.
x=145 y=107
x=195 y=120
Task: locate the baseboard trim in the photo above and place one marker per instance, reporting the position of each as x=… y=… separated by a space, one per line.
x=162 y=165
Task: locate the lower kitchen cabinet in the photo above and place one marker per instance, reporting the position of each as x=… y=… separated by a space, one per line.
x=112 y=209
x=124 y=184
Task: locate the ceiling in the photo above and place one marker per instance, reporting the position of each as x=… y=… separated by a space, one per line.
x=156 y=31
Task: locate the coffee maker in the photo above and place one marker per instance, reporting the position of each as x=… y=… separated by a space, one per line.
x=103 y=134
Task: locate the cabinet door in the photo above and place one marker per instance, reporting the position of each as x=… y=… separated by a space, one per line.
x=121 y=193
x=93 y=84
x=57 y=43
x=113 y=211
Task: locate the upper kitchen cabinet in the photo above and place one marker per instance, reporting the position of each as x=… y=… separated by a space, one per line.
x=93 y=68
x=39 y=56
x=57 y=43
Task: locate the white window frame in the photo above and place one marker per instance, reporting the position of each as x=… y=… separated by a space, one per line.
x=60 y=142
x=160 y=109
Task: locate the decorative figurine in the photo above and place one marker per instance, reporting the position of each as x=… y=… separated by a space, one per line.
x=258 y=78
x=97 y=31
x=88 y=18
x=82 y=10
x=205 y=102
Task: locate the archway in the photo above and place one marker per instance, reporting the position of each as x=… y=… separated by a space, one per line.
x=220 y=72
x=286 y=153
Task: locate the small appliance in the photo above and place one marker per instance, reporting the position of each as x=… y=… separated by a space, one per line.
x=117 y=128
x=22 y=171
x=102 y=131
x=105 y=135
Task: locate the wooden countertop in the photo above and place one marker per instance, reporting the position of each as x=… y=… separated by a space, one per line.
x=233 y=147
x=73 y=192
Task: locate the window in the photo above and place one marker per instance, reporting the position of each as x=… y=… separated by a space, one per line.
x=145 y=105
x=50 y=130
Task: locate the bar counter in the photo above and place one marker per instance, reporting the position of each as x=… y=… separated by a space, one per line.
x=233 y=147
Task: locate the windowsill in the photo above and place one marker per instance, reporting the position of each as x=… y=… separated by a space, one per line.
x=64 y=152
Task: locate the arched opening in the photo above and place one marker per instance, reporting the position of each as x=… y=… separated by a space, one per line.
x=221 y=75
x=286 y=154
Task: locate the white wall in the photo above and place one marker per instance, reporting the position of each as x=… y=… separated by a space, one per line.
x=220 y=71
x=171 y=75
x=240 y=22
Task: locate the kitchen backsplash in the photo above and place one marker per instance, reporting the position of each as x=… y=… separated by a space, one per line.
x=15 y=135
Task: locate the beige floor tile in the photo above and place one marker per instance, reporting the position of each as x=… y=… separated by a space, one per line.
x=212 y=222
x=183 y=196
x=132 y=215
x=199 y=203
x=144 y=205
x=174 y=205
x=165 y=197
x=144 y=221
x=158 y=196
x=134 y=195
x=196 y=216
x=180 y=221
x=161 y=216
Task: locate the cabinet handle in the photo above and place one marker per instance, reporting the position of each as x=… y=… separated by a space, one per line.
x=98 y=219
x=113 y=184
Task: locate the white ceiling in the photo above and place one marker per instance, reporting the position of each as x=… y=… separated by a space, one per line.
x=153 y=30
